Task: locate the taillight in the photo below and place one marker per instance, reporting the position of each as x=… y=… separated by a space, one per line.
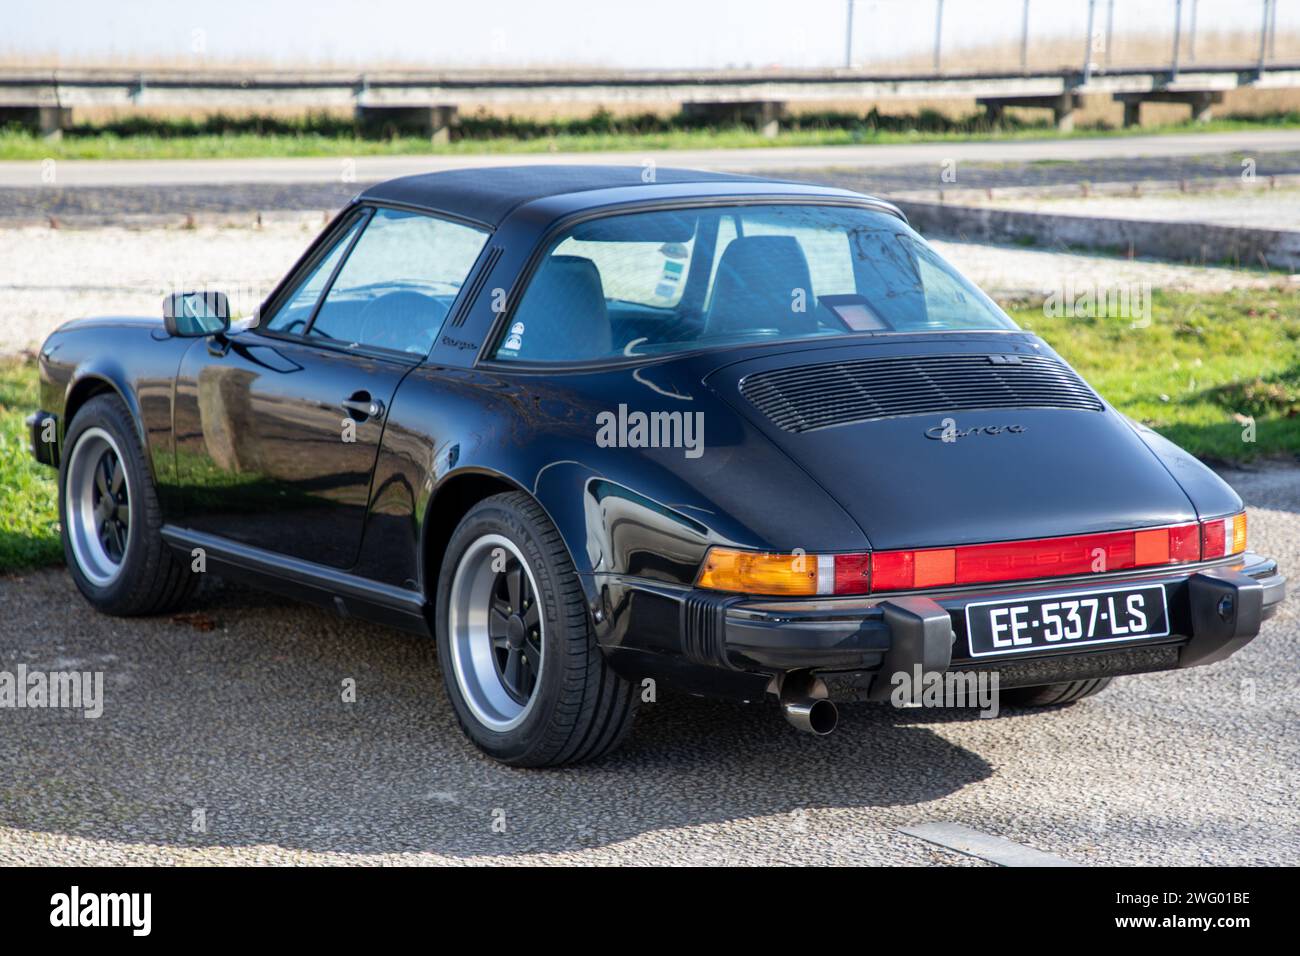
x=752 y=572
x=1034 y=558
x=852 y=573
x=784 y=575
x=1222 y=537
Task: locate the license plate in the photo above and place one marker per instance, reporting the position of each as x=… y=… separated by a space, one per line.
x=1056 y=622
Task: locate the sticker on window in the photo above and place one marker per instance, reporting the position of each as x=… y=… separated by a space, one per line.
x=515 y=340
x=672 y=274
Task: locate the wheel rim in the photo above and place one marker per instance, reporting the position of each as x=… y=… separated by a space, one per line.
x=497 y=632
x=98 y=496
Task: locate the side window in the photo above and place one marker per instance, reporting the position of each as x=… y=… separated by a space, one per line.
x=294 y=315
x=399 y=282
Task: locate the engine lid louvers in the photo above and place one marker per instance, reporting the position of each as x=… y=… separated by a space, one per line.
x=809 y=397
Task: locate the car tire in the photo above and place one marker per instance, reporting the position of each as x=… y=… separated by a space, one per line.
x=530 y=687
x=130 y=571
x=1051 y=695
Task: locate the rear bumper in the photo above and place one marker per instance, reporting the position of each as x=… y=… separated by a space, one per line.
x=1214 y=610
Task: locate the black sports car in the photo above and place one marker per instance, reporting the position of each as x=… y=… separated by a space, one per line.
x=737 y=436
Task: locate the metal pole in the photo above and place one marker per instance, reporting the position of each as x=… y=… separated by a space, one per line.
x=1178 y=22
x=1272 y=33
x=1024 y=39
x=848 y=38
x=938 y=31
x=1110 y=28
x=1087 y=47
x=1263 y=39
x=1191 y=33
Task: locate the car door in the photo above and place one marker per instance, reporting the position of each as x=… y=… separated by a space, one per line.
x=277 y=427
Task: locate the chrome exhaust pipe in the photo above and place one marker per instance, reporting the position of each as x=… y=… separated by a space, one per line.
x=805 y=704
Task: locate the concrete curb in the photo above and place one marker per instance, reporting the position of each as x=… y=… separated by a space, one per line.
x=1195 y=243
x=1084 y=189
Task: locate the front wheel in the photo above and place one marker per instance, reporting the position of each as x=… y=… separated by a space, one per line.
x=110 y=517
x=519 y=661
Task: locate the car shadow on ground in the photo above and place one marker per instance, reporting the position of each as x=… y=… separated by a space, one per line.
x=232 y=716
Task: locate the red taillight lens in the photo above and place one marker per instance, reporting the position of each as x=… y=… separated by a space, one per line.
x=866 y=573
x=893 y=570
x=1037 y=558
x=1185 y=543
x=1212 y=539
x=852 y=573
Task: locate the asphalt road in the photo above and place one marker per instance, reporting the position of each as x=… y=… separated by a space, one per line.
x=373 y=168
x=69 y=201
x=245 y=721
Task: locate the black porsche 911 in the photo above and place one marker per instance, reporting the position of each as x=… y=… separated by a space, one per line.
x=734 y=436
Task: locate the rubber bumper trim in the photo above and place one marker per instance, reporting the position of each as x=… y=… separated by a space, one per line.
x=892 y=636
x=1227 y=608
x=45 y=453
x=922 y=638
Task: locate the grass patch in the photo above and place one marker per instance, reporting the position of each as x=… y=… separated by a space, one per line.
x=1197 y=373
x=1200 y=372
x=29 y=530
x=231 y=137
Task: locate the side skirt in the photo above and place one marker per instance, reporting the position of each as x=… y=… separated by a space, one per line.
x=348 y=594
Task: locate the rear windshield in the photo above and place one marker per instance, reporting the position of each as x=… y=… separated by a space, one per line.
x=649 y=283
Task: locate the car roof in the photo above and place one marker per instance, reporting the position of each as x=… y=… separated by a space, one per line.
x=488 y=194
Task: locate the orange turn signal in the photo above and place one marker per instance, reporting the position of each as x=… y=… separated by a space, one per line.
x=1238 y=533
x=751 y=572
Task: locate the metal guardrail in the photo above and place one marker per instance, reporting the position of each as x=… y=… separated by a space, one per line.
x=83 y=88
x=431 y=98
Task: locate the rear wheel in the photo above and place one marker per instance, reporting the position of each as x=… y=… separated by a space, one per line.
x=519 y=660
x=111 y=520
x=1050 y=695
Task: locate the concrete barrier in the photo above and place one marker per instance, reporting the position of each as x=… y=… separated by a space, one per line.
x=1192 y=242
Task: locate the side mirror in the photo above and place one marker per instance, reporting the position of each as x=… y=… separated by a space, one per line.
x=196 y=314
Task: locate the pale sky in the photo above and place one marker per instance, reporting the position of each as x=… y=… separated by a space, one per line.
x=631 y=34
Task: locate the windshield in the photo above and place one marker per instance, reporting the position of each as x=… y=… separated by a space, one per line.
x=648 y=283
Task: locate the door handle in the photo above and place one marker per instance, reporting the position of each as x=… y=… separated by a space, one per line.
x=362 y=406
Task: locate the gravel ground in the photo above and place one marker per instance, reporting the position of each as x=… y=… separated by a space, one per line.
x=53 y=275
x=245 y=721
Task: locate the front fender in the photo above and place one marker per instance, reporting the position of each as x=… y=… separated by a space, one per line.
x=134 y=361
